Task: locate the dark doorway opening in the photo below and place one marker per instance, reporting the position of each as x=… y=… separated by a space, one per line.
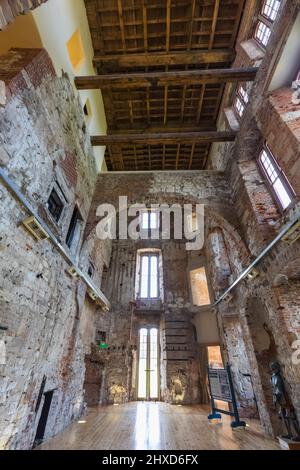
x=40 y=432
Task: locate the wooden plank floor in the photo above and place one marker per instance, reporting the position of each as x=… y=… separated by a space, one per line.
x=154 y=426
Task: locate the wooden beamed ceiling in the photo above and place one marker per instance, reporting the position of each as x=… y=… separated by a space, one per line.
x=162 y=66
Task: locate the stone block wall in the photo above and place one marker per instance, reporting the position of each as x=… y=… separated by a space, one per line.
x=48 y=320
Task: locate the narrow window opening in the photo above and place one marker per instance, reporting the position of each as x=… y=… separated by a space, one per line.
x=55 y=205
x=199 y=287
x=148 y=370
x=91 y=269
x=74 y=227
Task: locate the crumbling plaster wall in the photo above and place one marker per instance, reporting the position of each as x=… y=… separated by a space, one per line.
x=49 y=322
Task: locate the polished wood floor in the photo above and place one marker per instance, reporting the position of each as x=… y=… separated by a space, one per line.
x=156 y=426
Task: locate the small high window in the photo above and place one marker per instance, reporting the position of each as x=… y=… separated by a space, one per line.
x=87 y=109
x=278 y=182
x=91 y=269
x=199 y=287
x=241 y=100
x=267 y=16
x=149 y=276
x=55 y=205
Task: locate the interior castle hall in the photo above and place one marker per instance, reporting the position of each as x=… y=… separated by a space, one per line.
x=132 y=342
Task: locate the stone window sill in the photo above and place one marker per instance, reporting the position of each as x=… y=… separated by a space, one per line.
x=253 y=50
x=231 y=119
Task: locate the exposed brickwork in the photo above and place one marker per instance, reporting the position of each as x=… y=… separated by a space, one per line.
x=10 y=9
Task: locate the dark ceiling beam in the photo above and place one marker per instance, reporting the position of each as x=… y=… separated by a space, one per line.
x=152 y=59
x=170 y=127
x=147 y=79
x=165 y=138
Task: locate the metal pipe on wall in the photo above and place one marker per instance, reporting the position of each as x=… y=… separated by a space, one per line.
x=14 y=190
x=258 y=258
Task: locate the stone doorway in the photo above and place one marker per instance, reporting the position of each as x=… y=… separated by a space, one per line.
x=41 y=428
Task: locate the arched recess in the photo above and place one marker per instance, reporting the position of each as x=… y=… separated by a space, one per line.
x=262 y=349
x=286 y=291
x=218 y=216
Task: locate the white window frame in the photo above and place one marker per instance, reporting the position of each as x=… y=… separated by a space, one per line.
x=273 y=173
x=241 y=100
x=266 y=18
x=149 y=255
x=147 y=219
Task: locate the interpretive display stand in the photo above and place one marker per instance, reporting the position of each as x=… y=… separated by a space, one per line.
x=221 y=388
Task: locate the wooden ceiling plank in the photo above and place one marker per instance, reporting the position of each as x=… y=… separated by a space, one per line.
x=237 y=22
x=144 y=79
x=164 y=156
x=162 y=58
x=145 y=26
x=214 y=24
x=149 y=157
x=192 y=155
x=121 y=23
x=191 y=25
x=165 y=137
x=200 y=104
x=177 y=156
x=171 y=127
x=168 y=25
x=166 y=105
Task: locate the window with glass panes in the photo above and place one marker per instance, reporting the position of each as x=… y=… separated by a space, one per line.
x=266 y=19
x=276 y=178
x=149 y=276
x=150 y=220
x=241 y=100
